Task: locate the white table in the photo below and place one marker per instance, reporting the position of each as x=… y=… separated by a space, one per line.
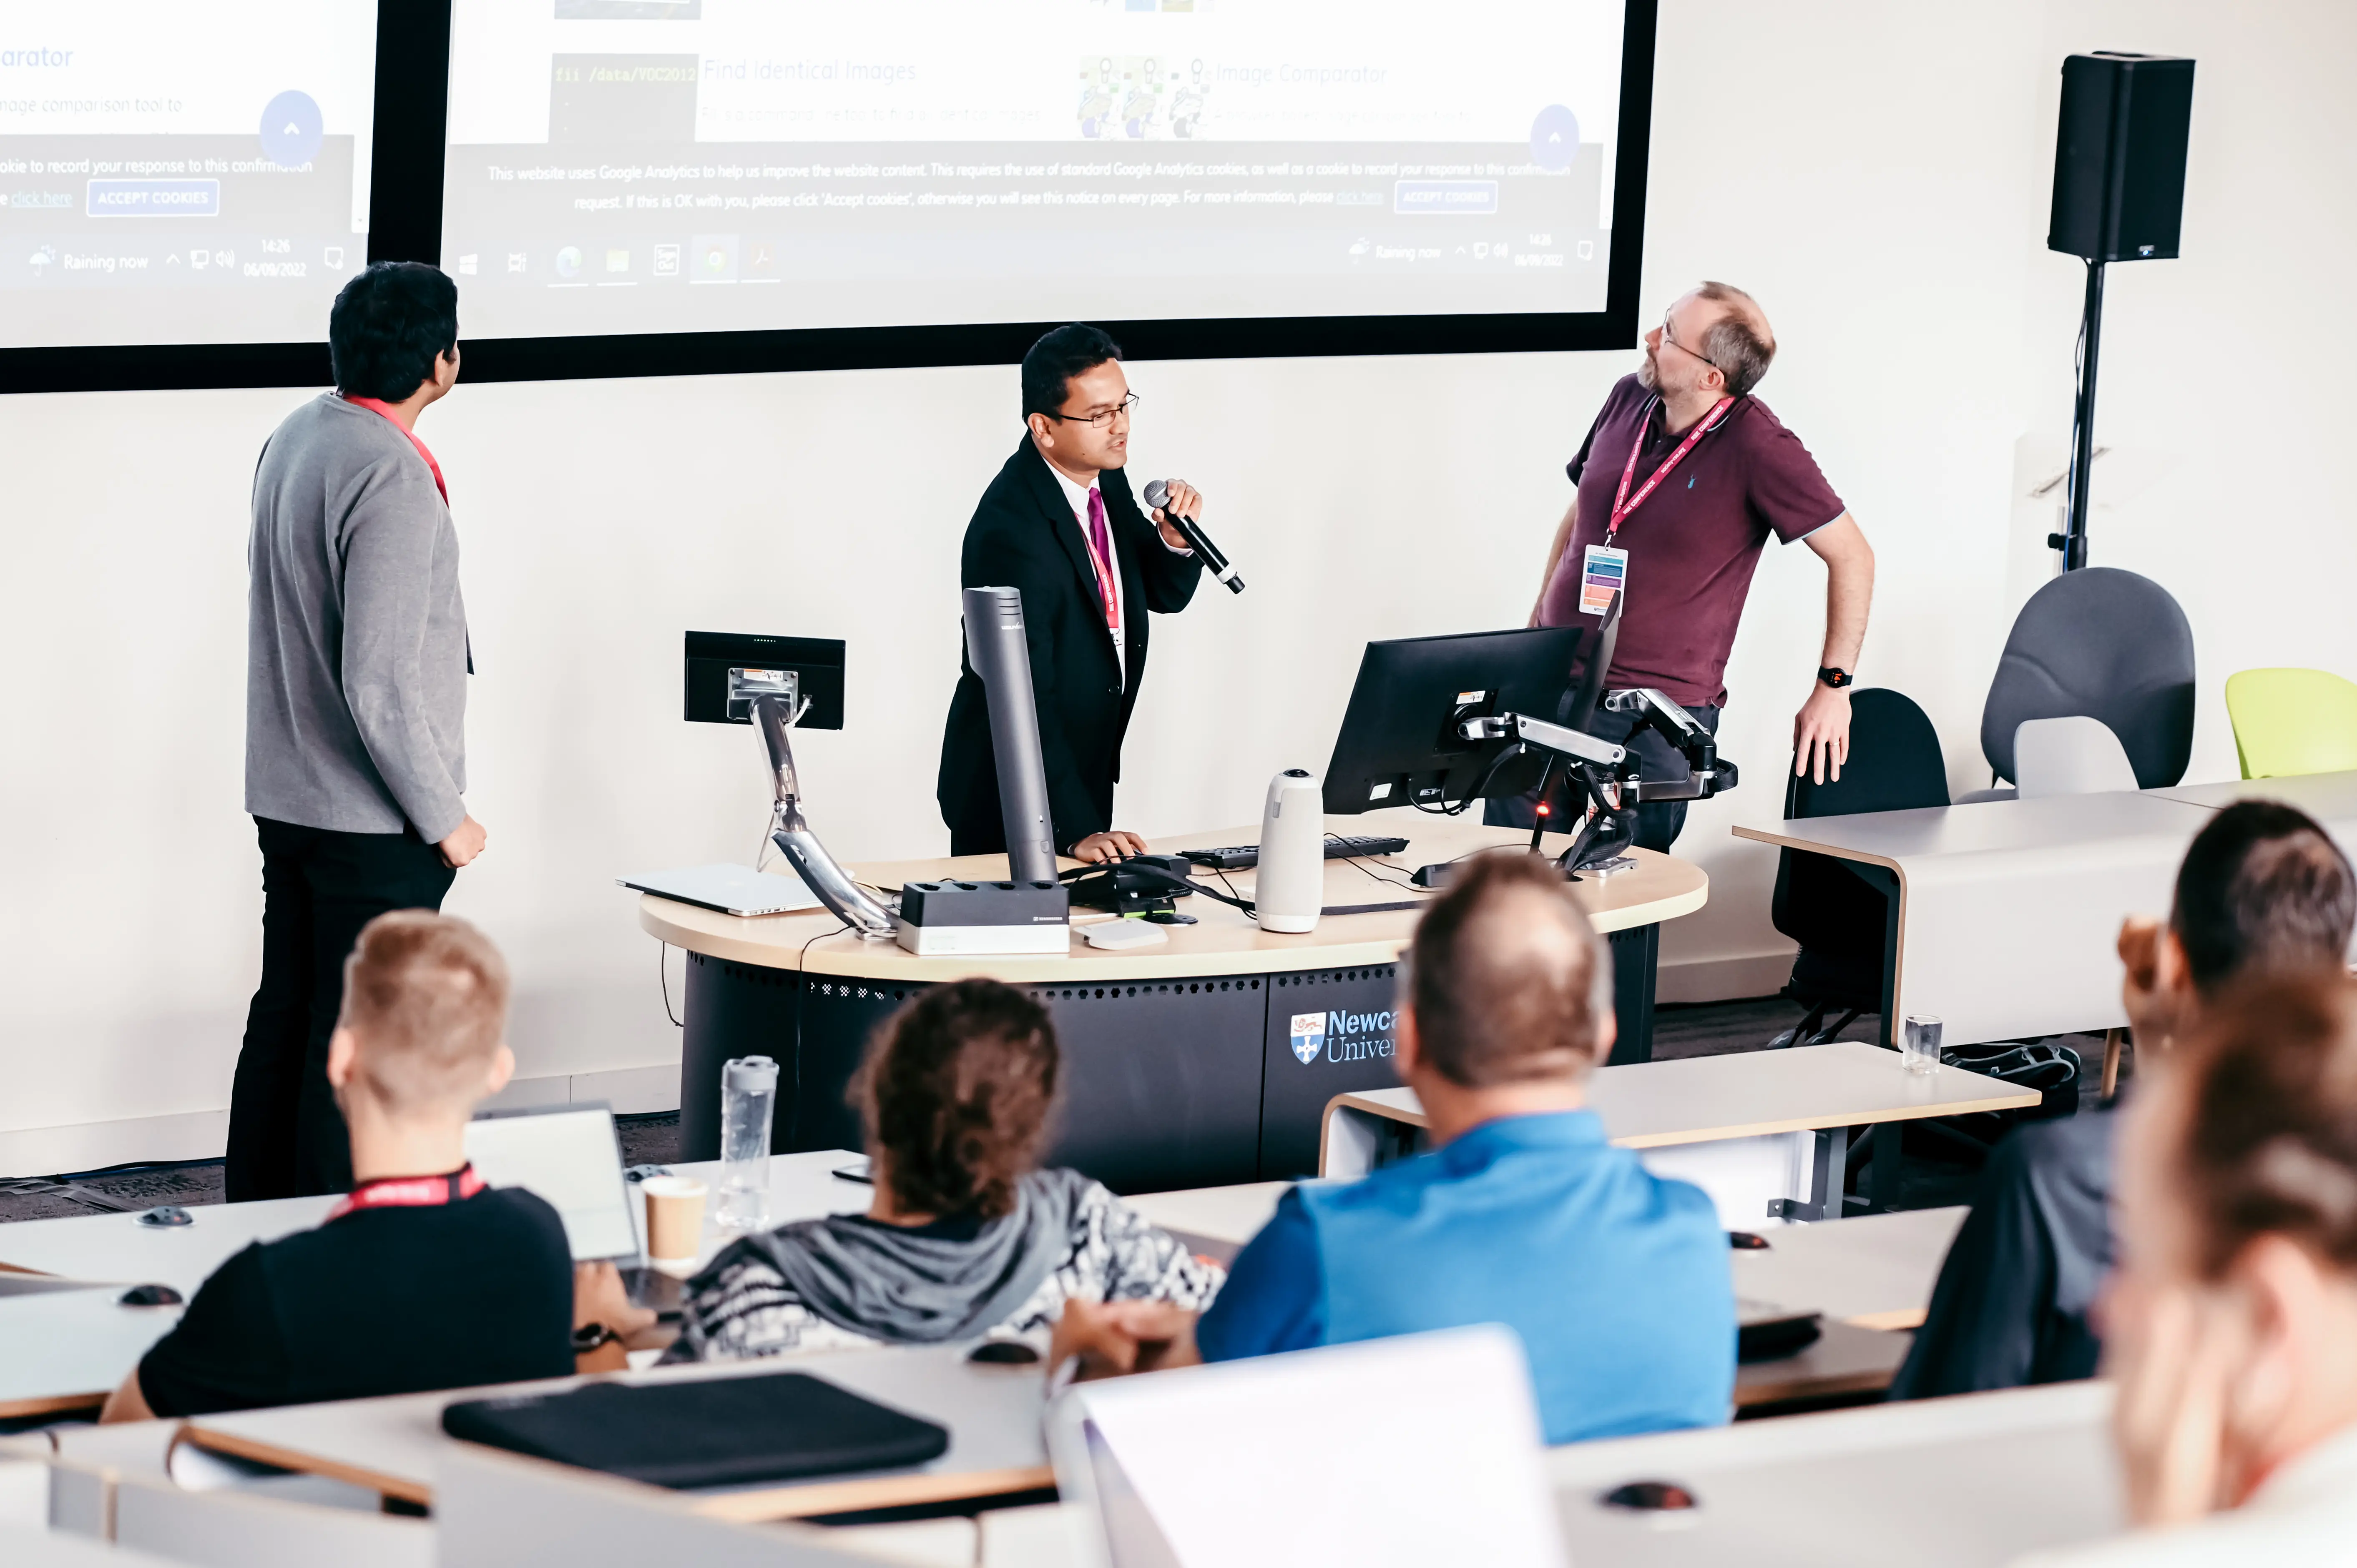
x=2003 y=914
x=117 y=1248
x=993 y=1413
x=1764 y=1133
x=1966 y=1482
x=67 y=1350
x=2330 y=798
x=89 y=1343
x=1872 y=1272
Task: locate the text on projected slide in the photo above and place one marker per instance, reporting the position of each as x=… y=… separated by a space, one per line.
x=621 y=165
x=181 y=173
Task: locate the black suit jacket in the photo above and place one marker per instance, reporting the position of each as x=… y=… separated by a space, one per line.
x=1023 y=536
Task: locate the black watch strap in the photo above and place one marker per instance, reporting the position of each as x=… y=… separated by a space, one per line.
x=1834 y=677
x=590 y=1337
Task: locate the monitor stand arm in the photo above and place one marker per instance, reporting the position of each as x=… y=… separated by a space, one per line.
x=1654 y=710
x=774 y=715
x=1604 y=773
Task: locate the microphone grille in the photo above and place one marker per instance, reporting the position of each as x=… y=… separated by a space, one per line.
x=1157 y=492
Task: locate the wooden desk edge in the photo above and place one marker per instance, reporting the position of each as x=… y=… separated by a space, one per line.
x=2020 y=1100
x=800 y=1500
x=1802 y=1386
x=238 y=1446
x=1810 y=846
x=51 y=1404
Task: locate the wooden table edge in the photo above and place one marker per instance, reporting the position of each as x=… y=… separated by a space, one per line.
x=1748 y=1397
x=237 y=1446
x=1895 y=1320
x=2020 y=1099
x=803 y=1499
x=1812 y=846
x=51 y=1404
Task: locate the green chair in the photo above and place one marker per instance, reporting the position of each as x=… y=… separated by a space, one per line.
x=2292 y=721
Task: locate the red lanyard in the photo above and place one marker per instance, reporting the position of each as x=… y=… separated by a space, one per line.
x=1622 y=502
x=1107 y=589
x=411 y=1192
x=377 y=406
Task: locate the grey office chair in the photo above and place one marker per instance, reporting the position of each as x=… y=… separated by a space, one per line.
x=2104 y=644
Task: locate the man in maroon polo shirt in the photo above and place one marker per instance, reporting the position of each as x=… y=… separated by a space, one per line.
x=1682 y=478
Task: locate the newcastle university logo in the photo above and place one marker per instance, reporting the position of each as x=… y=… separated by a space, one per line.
x=1342 y=1036
x=1309 y=1035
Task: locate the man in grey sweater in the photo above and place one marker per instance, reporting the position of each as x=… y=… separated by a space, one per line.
x=357 y=661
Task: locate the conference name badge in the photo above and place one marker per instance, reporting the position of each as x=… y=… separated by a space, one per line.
x=1604 y=574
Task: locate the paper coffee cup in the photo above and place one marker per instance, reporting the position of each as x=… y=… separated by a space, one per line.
x=674 y=1218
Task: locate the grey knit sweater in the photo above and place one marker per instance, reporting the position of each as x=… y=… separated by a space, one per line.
x=356 y=644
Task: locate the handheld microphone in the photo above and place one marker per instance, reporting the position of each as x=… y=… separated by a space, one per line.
x=1158 y=495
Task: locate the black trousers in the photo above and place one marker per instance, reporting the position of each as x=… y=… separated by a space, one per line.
x=319 y=887
x=1659 y=822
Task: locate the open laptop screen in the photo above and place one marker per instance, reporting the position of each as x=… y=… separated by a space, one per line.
x=569 y=1156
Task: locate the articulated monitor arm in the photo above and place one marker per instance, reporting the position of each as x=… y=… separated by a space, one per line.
x=774 y=716
x=1711 y=773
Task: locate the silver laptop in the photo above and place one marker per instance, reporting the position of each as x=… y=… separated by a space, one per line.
x=570 y=1156
x=731 y=889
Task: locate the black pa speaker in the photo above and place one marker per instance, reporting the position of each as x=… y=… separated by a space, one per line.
x=2119 y=156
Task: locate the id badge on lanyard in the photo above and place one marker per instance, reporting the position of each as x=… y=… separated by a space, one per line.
x=1605 y=570
x=1604 y=574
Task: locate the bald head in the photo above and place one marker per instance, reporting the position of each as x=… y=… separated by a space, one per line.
x=1507 y=978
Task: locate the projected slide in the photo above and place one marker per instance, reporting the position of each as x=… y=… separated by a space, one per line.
x=645 y=166
x=175 y=171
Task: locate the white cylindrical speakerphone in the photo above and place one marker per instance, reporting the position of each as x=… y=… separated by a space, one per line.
x=1290 y=892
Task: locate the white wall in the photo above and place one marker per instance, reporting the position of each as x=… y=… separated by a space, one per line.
x=1876 y=175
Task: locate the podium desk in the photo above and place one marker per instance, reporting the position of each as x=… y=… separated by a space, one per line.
x=1200 y=1062
x=1765 y=1134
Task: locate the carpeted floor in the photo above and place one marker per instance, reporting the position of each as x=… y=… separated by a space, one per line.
x=1937 y=1171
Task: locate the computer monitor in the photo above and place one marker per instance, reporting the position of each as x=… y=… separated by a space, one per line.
x=571 y=1158
x=1400 y=744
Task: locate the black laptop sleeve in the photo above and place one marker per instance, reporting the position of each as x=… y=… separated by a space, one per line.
x=705 y=1432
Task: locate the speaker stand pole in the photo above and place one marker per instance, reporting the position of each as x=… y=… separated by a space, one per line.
x=2073 y=541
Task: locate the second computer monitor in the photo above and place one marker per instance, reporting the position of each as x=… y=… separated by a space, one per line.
x=1399 y=745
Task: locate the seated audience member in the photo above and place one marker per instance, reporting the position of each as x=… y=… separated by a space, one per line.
x=2262 y=888
x=421 y=1278
x=2230 y=1327
x=1522 y=1214
x=967 y=1237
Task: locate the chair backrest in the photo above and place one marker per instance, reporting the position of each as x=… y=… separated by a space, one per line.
x=1895 y=764
x=2106 y=644
x=2292 y=721
x=2074 y=756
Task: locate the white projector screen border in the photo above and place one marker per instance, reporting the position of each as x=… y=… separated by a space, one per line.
x=406 y=223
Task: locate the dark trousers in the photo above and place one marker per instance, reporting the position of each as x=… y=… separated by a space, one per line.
x=319 y=887
x=1659 y=822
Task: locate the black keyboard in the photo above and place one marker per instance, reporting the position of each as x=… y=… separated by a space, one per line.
x=1244 y=856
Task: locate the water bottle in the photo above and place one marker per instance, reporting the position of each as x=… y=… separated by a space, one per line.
x=748 y=1102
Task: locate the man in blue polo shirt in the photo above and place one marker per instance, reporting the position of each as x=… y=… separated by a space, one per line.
x=1522 y=1214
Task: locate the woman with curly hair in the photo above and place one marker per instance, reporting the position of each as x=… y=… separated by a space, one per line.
x=967 y=1237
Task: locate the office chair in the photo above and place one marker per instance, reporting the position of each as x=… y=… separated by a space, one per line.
x=2104 y=644
x=2074 y=756
x=2292 y=721
x=1836 y=917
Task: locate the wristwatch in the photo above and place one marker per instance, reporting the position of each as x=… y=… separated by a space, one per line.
x=1834 y=677
x=590 y=1337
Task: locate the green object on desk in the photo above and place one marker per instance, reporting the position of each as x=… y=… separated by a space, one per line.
x=2292 y=721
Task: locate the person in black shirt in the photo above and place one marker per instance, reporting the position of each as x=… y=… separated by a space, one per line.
x=2263 y=887
x=422 y=1278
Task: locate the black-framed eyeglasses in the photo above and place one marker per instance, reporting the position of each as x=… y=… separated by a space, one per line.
x=1670 y=338
x=1123 y=407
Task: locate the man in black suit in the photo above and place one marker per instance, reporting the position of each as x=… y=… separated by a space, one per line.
x=1059 y=524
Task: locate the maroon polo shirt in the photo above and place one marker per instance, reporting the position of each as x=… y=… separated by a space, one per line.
x=1695 y=543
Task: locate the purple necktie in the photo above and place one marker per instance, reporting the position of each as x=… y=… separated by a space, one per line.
x=1101 y=548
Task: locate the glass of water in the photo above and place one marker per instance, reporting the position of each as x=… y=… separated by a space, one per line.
x=1921 y=1051
x=749 y=1103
